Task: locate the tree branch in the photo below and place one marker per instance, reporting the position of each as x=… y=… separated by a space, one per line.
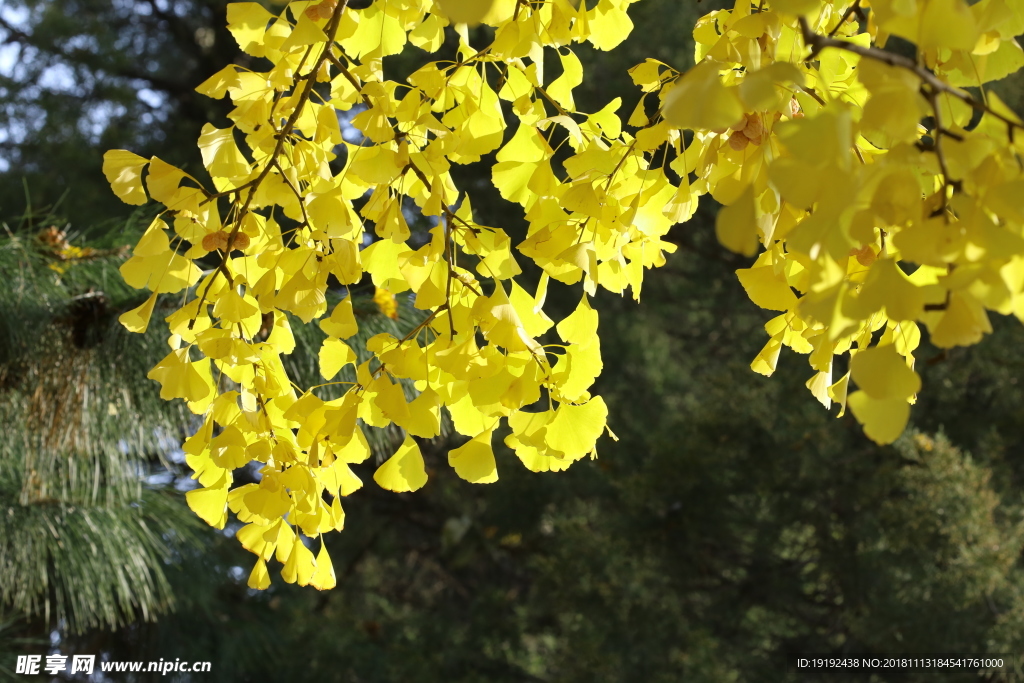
x=818 y=42
x=851 y=10
x=16 y=35
x=282 y=135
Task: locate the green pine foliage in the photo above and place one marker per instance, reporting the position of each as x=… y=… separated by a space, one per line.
x=91 y=517
x=85 y=540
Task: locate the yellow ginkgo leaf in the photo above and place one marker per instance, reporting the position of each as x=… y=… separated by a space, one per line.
x=357 y=449
x=700 y=101
x=465 y=11
x=819 y=386
x=883 y=374
x=609 y=25
x=887 y=286
x=227 y=449
x=137 y=319
x=285 y=542
x=796 y=6
x=259 y=578
x=474 y=460
x=386 y=302
x=323 y=577
x=424 y=415
x=210 y=503
x=501 y=324
x=164 y=181
x=530 y=428
x=766 y=361
x=404 y=471
x=466 y=417
x=883 y=419
x=561 y=88
x=232 y=307
x=334 y=355
x=220 y=153
x=180 y=378
x=837 y=392
x=580 y=326
x=247 y=22
x=374 y=165
x=577 y=369
x=377 y=31
x=305 y=33
x=892 y=116
x=760 y=89
x=300 y=565
x=281 y=337
x=124 y=173
x=947 y=24
x=532 y=458
x=217 y=85
x=165 y=273
x=574 y=430
x=736 y=225
x=766 y=288
x=963 y=323
x=305 y=297
x=389 y=398
x=348 y=482
x=154 y=241
x=259 y=539
x=342 y=322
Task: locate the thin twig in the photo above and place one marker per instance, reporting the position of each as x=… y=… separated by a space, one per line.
x=282 y=135
x=298 y=195
x=210 y=196
x=852 y=9
x=548 y=97
x=814 y=95
x=451 y=272
x=622 y=160
x=937 y=143
x=350 y=78
x=817 y=98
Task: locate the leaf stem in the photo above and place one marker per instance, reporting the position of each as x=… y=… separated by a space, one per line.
x=282 y=135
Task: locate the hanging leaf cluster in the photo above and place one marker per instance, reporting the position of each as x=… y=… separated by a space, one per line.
x=875 y=192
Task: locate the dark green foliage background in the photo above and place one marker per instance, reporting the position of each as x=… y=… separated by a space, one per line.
x=734 y=522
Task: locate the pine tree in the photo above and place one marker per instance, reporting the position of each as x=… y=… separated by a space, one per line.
x=87 y=465
x=85 y=538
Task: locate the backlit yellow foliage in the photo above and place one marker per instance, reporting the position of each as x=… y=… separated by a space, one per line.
x=875 y=194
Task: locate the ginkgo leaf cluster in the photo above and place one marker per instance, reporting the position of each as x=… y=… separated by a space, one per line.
x=872 y=194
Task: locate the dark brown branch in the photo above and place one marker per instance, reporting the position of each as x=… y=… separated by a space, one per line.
x=350 y=78
x=818 y=42
x=419 y=174
x=307 y=90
